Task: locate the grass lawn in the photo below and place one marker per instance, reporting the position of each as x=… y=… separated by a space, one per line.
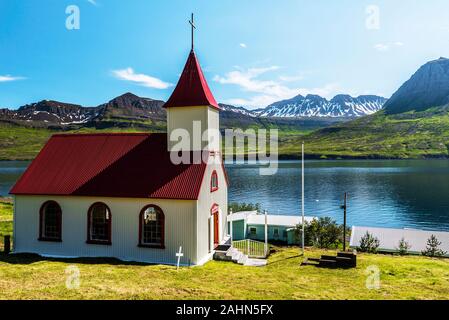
x=32 y=277
x=5 y=220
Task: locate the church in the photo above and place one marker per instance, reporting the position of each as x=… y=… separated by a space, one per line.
x=121 y=195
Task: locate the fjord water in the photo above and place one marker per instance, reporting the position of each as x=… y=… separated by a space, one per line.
x=400 y=194
x=10 y=171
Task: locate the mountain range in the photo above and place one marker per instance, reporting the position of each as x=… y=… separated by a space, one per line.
x=48 y=113
x=129 y=109
x=413 y=123
x=341 y=105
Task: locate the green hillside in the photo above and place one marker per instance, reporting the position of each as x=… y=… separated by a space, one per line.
x=408 y=136
x=412 y=135
x=24 y=143
x=21 y=143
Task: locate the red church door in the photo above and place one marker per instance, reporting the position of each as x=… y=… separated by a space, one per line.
x=216 y=240
x=215 y=214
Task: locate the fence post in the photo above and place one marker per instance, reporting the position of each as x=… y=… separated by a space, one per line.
x=247 y=244
x=231 y=225
x=7 y=244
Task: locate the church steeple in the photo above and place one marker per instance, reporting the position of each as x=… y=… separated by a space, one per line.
x=192 y=88
x=192 y=104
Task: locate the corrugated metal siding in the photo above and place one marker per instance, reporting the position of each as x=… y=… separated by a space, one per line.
x=292 y=237
x=184 y=118
x=110 y=165
x=238 y=230
x=205 y=203
x=179 y=228
x=260 y=232
x=213 y=120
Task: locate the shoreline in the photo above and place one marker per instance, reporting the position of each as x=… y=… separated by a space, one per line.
x=4 y=199
x=348 y=157
x=286 y=157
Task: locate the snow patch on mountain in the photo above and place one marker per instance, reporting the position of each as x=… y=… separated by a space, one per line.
x=240 y=110
x=316 y=106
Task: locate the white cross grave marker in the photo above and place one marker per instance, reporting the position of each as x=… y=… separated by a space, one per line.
x=179 y=255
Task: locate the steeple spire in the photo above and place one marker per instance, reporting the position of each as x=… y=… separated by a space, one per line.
x=192 y=88
x=192 y=23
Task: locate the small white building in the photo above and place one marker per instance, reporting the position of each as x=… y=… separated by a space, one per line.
x=389 y=238
x=251 y=225
x=122 y=195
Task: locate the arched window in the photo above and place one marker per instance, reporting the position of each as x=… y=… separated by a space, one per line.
x=152 y=227
x=50 y=222
x=99 y=224
x=214 y=181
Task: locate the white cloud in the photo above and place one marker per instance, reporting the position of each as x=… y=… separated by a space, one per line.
x=387 y=46
x=8 y=78
x=94 y=2
x=128 y=74
x=247 y=79
x=267 y=91
x=243 y=45
x=382 y=47
x=291 y=78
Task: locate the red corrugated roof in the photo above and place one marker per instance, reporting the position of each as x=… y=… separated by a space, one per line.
x=192 y=88
x=110 y=165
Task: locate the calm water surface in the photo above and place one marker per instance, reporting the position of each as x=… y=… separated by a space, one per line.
x=405 y=194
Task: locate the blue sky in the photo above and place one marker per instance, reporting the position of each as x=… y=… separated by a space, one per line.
x=252 y=52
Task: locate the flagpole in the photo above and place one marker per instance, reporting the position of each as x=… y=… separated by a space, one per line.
x=302 y=197
x=266 y=234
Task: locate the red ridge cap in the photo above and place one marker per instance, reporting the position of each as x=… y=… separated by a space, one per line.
x=103 y=134
x=192 y=88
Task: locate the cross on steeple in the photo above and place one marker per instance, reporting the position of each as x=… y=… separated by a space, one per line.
x=192 y=23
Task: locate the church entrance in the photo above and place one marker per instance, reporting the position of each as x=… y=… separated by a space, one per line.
x=215 y=217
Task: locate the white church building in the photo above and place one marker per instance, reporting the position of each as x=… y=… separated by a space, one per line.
x=120 y=195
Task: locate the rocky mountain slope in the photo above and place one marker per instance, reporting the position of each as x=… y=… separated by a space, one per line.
x=51 y=112
x=427 y=88
x=133 y=107
x=413 y=124
x=120 y=111
x=237 y=110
